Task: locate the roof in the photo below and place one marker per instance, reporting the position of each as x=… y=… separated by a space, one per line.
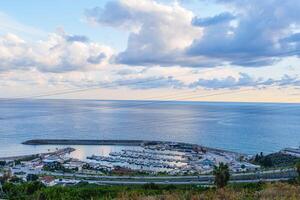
x=47 y=179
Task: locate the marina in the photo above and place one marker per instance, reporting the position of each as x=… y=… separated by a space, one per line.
x=144 y=162
x=154 y=157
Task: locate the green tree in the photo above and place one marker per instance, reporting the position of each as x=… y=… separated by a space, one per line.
x=17 y=162
x=31 y=187
x=32 y=177
x=266 y=162
x=221 y=174
x=298 y=169
x=2 y=162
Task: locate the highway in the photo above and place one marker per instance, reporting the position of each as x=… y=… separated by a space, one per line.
x=267 y=176
x=205 y=183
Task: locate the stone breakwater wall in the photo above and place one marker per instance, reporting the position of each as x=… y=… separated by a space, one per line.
x=122 y=143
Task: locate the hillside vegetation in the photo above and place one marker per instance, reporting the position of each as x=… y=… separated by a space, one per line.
x=36 y=191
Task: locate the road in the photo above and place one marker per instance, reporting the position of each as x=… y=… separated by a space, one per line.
x=270 y=175
x=120 y=182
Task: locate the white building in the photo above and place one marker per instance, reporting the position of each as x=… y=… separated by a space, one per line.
x=74 y=165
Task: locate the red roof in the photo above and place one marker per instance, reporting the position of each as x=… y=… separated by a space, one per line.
x=47 y=179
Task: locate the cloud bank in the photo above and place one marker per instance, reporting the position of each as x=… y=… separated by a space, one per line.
x=263 y=33
x=251 y=34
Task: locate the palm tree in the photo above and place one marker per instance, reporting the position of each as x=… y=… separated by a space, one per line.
x=221 y=174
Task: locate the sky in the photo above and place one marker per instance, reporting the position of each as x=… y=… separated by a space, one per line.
x=198 y=50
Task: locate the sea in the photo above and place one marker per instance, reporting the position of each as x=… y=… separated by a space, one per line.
x=242 y=127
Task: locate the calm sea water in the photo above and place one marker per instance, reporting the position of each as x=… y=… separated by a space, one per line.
x=242 y=127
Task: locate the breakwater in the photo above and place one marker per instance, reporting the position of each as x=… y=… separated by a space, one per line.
x=90 y=142
x=181 y=145
x=32 y=156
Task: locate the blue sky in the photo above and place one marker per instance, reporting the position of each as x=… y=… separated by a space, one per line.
x=49 y=15
x=199 y=46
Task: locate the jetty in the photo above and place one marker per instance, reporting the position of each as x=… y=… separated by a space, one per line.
x=186 y=147
x=88 y=142
x=31 y=156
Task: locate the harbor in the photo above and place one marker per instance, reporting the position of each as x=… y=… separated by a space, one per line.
x=150 y=157
x=138 y=163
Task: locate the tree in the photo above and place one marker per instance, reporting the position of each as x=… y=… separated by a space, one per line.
x=54 y=166
x=33 y=186
x=32 y=177
x=261 y=154
x=221 y=174
x=17 y=162
x=298 y=169
x=2 y=162
x=266 y=161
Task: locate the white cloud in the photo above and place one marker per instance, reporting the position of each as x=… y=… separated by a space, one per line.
x=264 y=32
x=59 y=53
x=245 y=33
x=159 y=33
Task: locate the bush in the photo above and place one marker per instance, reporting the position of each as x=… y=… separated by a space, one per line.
x=150 y=186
